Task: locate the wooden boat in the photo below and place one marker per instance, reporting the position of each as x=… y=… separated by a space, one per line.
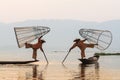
x=17 y=62
x=90 y=60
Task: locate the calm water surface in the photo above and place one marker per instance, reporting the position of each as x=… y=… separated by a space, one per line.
x=107 y=68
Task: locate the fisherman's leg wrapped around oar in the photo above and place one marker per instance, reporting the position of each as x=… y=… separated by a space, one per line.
x=28 y=45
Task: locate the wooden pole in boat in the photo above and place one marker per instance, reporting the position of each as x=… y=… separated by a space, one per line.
x=65 y=57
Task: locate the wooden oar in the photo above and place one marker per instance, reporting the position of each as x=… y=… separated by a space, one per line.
x=45 y=57
x=65 y=57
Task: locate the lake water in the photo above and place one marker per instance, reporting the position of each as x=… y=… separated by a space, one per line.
x=107 y=68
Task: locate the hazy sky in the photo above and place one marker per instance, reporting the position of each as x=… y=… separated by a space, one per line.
x=87 y=10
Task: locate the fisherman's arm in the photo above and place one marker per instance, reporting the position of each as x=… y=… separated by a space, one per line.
x=84 y=40
x=40 y=37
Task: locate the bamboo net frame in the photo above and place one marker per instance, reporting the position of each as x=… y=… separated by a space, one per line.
x=101 y=37
x=28 y=34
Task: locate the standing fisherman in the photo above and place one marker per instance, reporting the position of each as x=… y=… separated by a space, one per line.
x=35 y=47
x=82 y=46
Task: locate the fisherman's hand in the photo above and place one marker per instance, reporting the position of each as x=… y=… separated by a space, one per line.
x=41 y=36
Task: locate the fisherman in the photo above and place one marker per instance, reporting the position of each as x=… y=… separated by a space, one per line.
x=35 y=47
x=82 y=46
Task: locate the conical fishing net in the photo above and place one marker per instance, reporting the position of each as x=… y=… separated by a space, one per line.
x=101 y=37
x=28 y=34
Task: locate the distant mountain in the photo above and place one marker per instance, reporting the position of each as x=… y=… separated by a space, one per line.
x=62 y=33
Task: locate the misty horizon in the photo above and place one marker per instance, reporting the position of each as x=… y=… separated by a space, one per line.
x=62 y=33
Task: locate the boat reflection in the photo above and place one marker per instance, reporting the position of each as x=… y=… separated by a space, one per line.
x=88 y=72
x=84 y=72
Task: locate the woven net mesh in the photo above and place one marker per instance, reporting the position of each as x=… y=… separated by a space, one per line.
x=28 y=34
x=101 y=37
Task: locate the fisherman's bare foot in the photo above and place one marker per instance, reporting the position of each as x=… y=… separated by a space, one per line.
x=83 y=58
x=36 y=60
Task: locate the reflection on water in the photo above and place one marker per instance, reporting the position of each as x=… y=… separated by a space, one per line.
x=56 y=71
x=36 y=73
x=85 y=72
x=108 y=68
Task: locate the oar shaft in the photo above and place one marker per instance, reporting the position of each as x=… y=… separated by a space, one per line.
x=65 y=57
x=45 y=57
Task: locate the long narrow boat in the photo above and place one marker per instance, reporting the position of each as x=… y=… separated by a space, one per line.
x=16 y=62
x=90 y=60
